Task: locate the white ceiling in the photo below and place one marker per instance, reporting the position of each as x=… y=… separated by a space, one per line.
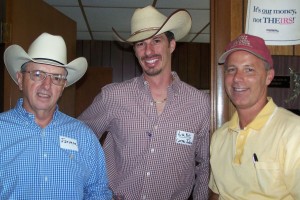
x=95 y=18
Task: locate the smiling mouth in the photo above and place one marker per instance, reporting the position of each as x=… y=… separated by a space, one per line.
x=235 y=89
x=151 y=61
x=43 y=95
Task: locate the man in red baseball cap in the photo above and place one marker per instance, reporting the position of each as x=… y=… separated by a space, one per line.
x=255 y=155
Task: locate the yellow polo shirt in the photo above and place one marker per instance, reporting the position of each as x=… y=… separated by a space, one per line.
x=274 y=137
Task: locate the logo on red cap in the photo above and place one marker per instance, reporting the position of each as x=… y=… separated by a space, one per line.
x=241 y=41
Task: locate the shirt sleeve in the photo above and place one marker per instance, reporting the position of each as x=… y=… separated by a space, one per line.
x=202 y=159
x=212 y=184
x=97 y=185
x=96 y=115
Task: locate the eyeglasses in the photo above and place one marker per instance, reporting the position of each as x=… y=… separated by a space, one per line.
x=38 y=75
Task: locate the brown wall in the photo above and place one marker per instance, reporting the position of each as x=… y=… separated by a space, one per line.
x=190 y=60
x=90 y=85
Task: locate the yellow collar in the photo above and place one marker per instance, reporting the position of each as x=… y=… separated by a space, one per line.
x=259 y=121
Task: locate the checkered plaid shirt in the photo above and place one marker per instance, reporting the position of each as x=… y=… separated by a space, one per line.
x=61 y=161
x=151 y=156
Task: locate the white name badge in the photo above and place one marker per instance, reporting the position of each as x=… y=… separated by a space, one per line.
x=68 y=143
x=183 y=137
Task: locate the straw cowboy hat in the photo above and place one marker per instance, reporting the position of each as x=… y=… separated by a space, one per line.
x=46 y=49
x=148 y=22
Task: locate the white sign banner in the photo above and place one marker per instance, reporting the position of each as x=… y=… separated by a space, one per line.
x=276 y=21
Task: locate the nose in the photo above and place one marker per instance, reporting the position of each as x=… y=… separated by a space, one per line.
x=148 y=49
x=48 y=81
x=238 y=76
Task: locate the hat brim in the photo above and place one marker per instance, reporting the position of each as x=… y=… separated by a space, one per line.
x=15 y=57
x=224 y=56
x=179 y=23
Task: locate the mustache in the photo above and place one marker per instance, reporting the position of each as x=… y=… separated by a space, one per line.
x=149 y=57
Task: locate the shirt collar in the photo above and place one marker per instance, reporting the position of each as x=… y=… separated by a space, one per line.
x=175 y=85
x=22 y=112
x=259 y=121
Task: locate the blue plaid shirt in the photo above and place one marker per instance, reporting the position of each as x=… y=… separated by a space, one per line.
x=62 y=161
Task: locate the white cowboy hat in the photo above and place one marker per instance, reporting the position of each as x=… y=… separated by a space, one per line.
x=46 y=49
x=148 y=22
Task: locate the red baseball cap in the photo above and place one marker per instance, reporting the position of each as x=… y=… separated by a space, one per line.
x=250 y=43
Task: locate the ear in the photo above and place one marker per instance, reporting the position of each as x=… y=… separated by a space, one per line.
x=270 y=76
x=172 y=45
x=19 y=76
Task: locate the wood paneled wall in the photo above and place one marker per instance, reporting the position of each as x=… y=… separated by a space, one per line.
x=281 y=67
x=190 y=60
x=90 y=85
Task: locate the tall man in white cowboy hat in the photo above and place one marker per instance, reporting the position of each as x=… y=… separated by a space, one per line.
x=45 y=154
x=157 y=145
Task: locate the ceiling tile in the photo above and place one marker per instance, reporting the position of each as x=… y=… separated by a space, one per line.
x=75 y=14
x=101 y=16
x=117 y=3
x=62 y=3
x=186 y=4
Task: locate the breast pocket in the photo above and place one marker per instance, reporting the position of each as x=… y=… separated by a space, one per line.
x=270 y=178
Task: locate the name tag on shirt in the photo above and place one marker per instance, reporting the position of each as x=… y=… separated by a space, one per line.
x=68 y=143
x=183 y=137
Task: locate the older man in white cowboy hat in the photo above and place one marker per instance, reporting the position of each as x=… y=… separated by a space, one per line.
x=157 y=145
x=46 y=154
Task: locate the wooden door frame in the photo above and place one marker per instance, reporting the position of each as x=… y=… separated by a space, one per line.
x=227 y=17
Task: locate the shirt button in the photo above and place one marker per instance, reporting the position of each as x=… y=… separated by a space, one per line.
x=151 y=103
x=46 y=178
x=144 y=197
x=156 y=127
x=148 y=174
x=45 y=155
x=152 y=150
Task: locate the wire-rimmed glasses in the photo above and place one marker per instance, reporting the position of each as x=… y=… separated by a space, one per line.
x=38 y=75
